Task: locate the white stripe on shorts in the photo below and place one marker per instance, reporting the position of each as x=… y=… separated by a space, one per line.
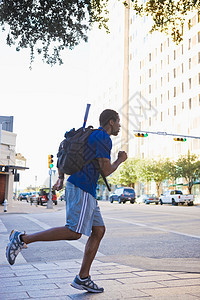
x=83 y=210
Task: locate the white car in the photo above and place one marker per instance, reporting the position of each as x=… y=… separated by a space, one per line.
x=175 y=197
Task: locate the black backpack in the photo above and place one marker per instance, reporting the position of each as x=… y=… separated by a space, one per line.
x=70 y=156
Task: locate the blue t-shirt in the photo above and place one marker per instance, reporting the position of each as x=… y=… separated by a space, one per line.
x=99 y=146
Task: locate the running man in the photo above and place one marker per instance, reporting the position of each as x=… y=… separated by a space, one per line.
x=83 y=214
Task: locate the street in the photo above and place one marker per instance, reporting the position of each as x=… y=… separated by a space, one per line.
x=151 y=236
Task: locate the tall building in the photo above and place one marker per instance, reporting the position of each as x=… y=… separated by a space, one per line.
x=164 y=82
x=167 y=83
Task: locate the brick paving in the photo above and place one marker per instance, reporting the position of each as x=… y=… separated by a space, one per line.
x=52 y=281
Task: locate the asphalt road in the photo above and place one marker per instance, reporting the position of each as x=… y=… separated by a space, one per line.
x=153 y=237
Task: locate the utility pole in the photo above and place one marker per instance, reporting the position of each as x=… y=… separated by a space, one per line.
x=125 y=110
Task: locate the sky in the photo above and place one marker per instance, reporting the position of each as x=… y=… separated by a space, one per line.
x=45 y=102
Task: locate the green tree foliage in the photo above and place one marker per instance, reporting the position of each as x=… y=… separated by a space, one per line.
x=156 y=170
x=168 y=15
x=126 y=174
x=188 y=167
x=47 y=27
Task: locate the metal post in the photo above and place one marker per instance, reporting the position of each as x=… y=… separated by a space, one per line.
x=50 y=202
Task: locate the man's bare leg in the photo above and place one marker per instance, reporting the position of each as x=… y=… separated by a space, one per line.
x=91 y=248
x=53 y=234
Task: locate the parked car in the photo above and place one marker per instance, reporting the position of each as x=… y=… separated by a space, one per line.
x=24 y=196
x=123 y=194
x=147 y=199
x=44 y=196
x=175 y=197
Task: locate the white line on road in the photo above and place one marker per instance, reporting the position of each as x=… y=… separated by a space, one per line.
x=153 y=227
x=76 y=244
x=2 y=227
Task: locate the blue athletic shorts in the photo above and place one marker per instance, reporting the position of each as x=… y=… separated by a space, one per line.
x=82 y=210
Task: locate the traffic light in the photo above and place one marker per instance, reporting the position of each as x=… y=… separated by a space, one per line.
x=180 y=139
x=138 y=134
x=50 y=161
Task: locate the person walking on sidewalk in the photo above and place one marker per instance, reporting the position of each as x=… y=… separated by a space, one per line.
x=83 y=214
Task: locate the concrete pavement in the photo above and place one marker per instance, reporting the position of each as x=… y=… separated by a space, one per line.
x=51 y=280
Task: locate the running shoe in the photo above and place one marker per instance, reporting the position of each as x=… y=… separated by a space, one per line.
x=86 y=284
x=14 y=246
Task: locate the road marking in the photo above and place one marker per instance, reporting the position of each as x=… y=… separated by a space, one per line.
x=155 y=228
x=76 y=244
x=2 y=227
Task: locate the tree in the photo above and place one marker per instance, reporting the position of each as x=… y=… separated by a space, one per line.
x=48 y=27
x=168 y=15
x=188 y=167
x=126 y=174
x=157 y=170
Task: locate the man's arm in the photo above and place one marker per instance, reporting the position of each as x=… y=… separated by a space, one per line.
x=108 y=168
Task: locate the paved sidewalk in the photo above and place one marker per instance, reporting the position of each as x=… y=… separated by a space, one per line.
x=52 y=281
x=20 y=207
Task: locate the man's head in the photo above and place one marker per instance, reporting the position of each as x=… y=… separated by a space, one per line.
x=109 y=120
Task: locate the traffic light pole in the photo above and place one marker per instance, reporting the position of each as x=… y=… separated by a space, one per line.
x=50 y=202
x=165 y=133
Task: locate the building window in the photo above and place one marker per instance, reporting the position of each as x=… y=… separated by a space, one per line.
x=199 y=78
x=199 y=58
x=190 y=83
x=174 y=54
x=161 y=98
x=168 y=77
x=199 y=99
x=149 y=121
x=182 y=69
x=174 y=91
x=189 y=44
x=168 y=94
x=190 y=61
x=174 y=72
x=182 y=48
x=149 y=89
x=199 y=37
x=182 y=105
x=198 y=15
x=161 y=81
x=189 y=24
x=131 y=56
x=149 y=56
x=174 y=110
x=149 y=105
x=182 y=87
x=156 y=101
x=149 y=72
x=190 y=103
x=168 y=59
x=161 y=116
x=161 y=47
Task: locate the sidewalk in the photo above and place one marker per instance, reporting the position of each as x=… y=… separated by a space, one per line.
x=23 y=207
x=52 y=281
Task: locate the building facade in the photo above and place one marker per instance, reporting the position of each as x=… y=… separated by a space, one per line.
x=164 y=83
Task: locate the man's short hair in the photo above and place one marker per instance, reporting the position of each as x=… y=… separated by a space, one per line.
x=107 y=115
